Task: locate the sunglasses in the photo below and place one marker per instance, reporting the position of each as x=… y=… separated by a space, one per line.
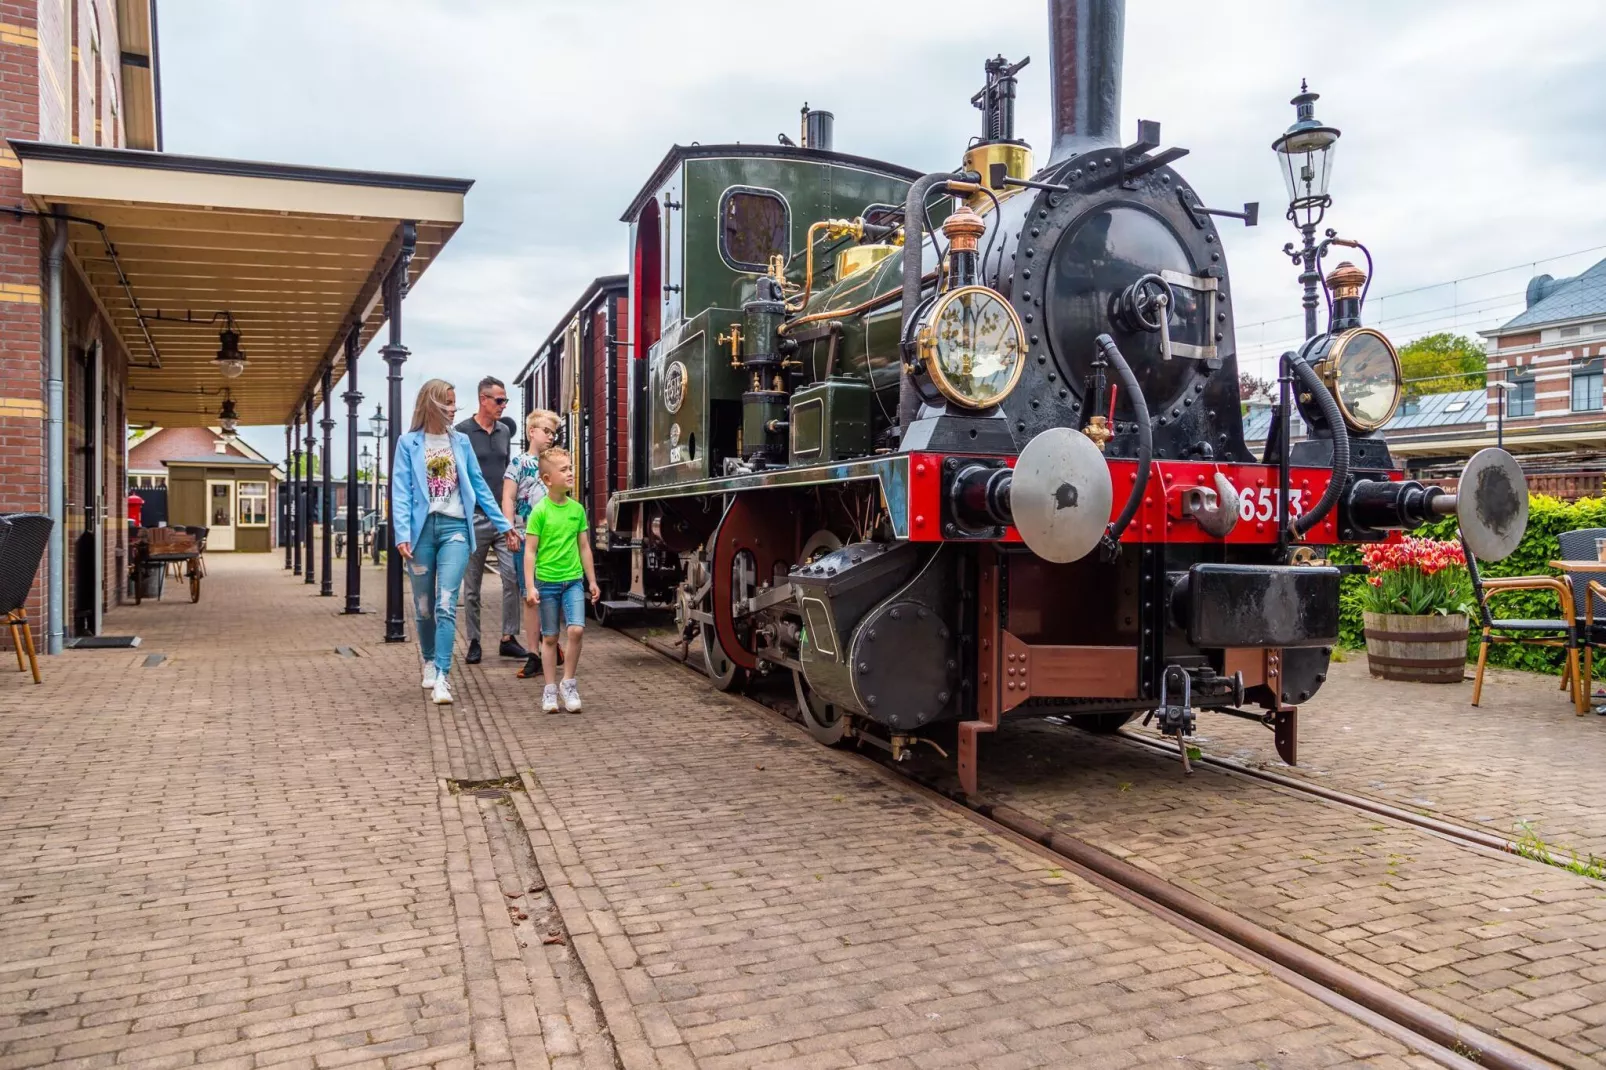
x=495 y=401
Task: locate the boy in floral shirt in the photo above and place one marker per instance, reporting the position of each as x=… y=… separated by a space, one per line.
x=521 y=489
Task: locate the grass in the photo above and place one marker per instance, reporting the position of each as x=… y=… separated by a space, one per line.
x=1531 y=845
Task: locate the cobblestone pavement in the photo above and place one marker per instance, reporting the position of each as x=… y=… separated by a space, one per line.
x=1521 y=757
x=1512 y=946
x=238 y=856
x=261 y=851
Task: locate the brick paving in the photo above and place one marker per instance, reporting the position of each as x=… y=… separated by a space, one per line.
x=1521 y=757
x=1509 y=945
x=260 y=852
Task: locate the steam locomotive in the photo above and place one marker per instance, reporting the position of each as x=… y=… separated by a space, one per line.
x=945 y=447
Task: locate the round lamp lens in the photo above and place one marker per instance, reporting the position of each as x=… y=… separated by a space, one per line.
x=1366 y=379
x=973 y=347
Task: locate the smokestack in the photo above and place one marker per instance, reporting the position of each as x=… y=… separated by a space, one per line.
x=1085 y=39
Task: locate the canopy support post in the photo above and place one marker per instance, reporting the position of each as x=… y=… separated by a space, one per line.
x=327 y=588
x=310 y=526
x=395 y=355
x=297 y=513
x=353 y=512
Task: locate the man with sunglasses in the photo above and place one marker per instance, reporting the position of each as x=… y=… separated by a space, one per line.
x=491 y=434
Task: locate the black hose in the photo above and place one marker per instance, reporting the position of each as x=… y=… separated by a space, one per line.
x=1335 y=422
x=914 y=238
x=1140 y=410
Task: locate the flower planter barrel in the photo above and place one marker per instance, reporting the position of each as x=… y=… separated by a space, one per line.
x=1428 y=649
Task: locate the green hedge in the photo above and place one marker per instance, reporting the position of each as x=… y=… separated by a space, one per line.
x=1547 y=518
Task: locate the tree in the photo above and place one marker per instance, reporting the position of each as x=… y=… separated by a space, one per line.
x=1442 y=364
x=300 y=468
x=1252 y=389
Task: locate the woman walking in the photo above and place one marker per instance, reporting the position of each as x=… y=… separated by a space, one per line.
x=437 y=483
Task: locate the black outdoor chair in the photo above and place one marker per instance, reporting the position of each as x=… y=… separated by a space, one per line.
x=24 y=547
x=1561 y=632
x=1589 y=595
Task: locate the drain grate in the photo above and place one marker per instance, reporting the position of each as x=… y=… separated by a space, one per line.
x=496 y=788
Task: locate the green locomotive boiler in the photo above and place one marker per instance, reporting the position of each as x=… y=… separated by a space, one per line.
x=949 y=446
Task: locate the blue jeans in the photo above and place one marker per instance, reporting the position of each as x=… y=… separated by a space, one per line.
x=567 y=596
x=440 y=557
x=518 y=565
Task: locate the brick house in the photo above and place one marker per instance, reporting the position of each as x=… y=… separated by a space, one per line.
x=139 y=286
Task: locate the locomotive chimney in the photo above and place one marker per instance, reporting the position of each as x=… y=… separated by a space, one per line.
x=1085 y=39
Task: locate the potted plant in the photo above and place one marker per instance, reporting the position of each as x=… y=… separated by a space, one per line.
x=1415 y=607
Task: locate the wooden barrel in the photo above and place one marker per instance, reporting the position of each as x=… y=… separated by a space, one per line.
x=1428 y=649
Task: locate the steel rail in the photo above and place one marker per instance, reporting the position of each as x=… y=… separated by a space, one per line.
x=1448 y=829
x=1424 y=1028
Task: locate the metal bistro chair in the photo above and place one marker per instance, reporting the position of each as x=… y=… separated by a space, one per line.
x=24 y=547
x=1589 y=598
x=1562 y=632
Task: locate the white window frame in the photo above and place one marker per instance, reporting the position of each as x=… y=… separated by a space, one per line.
x=240 y=496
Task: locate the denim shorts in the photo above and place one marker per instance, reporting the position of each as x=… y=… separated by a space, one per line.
x=567 y=595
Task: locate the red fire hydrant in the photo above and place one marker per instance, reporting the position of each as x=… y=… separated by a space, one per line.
x=135 y=505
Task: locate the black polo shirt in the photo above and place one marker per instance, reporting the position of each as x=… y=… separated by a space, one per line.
x=493 y=449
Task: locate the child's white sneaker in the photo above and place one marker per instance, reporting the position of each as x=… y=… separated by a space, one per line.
x=442 y=695
x=571 y=695
x=549 y=699
x=431 y=674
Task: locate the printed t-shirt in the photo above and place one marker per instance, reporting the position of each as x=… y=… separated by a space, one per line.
x=440 y=476
x=525 y=472
x=557 y=527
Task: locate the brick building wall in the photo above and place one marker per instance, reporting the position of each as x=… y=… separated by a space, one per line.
x=1549 y=360
x=22 y=378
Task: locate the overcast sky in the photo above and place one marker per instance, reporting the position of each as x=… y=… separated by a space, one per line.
x=1471 y=130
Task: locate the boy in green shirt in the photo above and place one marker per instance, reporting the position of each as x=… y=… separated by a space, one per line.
x=557 y=556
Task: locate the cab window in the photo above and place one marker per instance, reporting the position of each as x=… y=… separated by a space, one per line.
x=755 y=224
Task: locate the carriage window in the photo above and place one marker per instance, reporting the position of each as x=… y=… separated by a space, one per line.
x=755 y=225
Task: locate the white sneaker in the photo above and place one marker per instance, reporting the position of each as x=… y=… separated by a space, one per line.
x=549 y=699
x=571 y=695
x=430 y=675
x=442 y=695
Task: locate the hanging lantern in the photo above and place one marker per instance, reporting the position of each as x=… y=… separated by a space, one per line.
x=227 y=418
x=230 y=358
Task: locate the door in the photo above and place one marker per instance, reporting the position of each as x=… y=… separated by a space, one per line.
x=220 y=514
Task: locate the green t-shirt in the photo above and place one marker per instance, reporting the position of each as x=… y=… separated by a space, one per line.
x=558 y=528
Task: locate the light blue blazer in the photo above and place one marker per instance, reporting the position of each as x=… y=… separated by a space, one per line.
x=410 y=498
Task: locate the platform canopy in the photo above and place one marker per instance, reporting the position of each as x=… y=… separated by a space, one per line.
x=174 y=247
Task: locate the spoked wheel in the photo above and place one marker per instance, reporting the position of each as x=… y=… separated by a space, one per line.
x=826 y=721
x=724 y=673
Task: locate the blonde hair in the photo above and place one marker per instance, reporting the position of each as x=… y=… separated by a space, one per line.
x=549 y=458
x=541 y=416
x=431 y=401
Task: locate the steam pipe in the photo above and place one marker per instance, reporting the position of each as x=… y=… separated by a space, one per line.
x=1140 y=410
x=914 y=238
x=1335 y=421
x=1085 y=41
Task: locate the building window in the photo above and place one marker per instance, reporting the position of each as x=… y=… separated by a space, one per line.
x=1587 y=386
x=755 y=224
x=1570 y=332
x=1520 y=398
x=253 y=505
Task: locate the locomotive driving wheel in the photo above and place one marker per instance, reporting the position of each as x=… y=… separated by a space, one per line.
x=826 y=721
x=722 y=671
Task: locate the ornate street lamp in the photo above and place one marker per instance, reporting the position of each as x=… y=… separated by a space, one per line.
x=1305 y=153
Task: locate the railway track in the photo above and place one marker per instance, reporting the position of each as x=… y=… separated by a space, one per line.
x=1432 y=1032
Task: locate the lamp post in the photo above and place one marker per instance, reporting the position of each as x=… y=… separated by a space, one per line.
x=1500 y=388
x=377 y=426
x=1305 y=154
